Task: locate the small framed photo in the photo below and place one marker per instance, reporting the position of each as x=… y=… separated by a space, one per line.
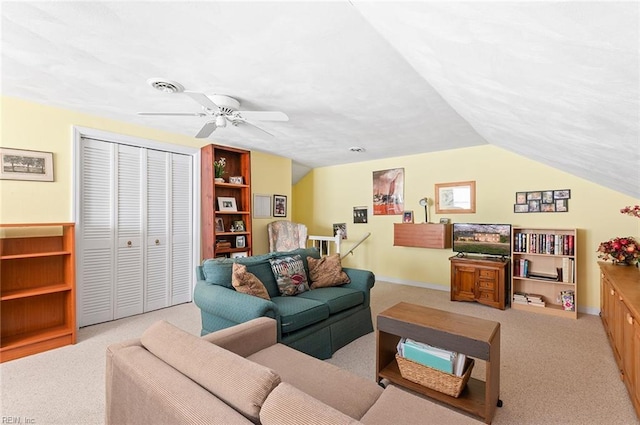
x=407 y=217
x=534 y=205
x=561 y=205
x=548 y=207
x=562 y=194
x=521 y=208
x=238 y=226
x=534 y=196
x=236 y=180
x=227 y=203
x=342 y=227
x=521 y=198
x=21 y=164
x=279 y=206
x=547 y=197
x=219 y=225
x=444 y=220
x=360 y=214
x=241 y=241
x=239 y=254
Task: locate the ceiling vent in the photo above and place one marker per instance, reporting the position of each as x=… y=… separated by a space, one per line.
x=166 y=86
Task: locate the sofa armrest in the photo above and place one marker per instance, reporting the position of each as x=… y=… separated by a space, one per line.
x=232 y=305
x=362 y=280
x=246 y=338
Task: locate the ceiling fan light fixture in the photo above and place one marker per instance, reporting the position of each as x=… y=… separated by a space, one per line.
x=166 y=86
x=221 y=121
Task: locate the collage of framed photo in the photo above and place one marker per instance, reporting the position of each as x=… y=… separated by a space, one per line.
x=542 y=201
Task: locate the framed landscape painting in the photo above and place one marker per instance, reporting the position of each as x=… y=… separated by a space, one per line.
x=21 y=164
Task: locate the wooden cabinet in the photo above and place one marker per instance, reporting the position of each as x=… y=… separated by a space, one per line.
x=544 y=262
x=219 y=217
x=424 y=235
x=37 y=267
x=484 y=281
x=620 y=313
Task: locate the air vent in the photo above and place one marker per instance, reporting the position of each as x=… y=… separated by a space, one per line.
x=166 y=86
x=356 y=149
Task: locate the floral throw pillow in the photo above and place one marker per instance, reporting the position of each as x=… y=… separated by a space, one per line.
x=326 y=271
x=290 y=275
x=247 y=283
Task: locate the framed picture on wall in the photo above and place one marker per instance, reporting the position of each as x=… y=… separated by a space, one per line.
x=279 y=206
x=21 y=164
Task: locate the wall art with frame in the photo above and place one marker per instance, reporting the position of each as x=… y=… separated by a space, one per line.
x=279 y=205
x=22 y=164
x=542 y=201
x=388 y=192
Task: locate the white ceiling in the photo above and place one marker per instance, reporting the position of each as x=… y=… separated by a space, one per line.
x=554 y=81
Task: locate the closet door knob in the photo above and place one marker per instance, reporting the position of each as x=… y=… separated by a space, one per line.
x=129 y=244
x=157 y=241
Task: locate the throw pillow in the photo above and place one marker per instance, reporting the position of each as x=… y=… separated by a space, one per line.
x=247 y=283
x=290 y=275
x=326 y=271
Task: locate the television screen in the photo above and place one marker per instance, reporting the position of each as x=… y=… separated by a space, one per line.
x=485 y=239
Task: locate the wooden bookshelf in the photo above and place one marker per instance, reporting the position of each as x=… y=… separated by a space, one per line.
x=37 y=263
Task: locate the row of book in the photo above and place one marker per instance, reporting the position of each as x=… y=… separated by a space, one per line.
x=529 y=299
x=565 y=274
x=544 y=243
x=437 y=358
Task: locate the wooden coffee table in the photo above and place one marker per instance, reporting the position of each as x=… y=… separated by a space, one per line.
x=477 y=338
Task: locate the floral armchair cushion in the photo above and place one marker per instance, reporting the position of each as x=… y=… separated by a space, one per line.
x=286 y=236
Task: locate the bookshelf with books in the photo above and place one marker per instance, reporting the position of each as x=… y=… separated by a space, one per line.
x=226 y=205
x=543 y=278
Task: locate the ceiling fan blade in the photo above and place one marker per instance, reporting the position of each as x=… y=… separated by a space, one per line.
x=206 y=130
x=251 y=128
x=264 y=115
x=202 y=99
x=189 y=114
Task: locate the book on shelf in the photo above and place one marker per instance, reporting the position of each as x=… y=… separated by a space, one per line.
x=437 y=358
x=544 y=243
x=525 y=298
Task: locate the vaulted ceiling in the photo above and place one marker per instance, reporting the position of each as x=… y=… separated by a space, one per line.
x=557 y=82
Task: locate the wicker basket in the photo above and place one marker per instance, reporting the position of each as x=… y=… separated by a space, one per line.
x=435 y=379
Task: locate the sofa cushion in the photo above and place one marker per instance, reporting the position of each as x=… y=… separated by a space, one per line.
x=287 y=405
x=326 y=271
x=297 y=313
x=242 y=384
x=346 y=392
x=290 y=274
x=336 y=298
x=247 y=282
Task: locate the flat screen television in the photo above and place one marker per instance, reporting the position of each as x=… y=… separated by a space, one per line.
x=482 y=239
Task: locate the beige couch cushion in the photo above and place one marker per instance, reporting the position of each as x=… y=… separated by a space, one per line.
x=237 y=381
x=326 y=271
x=247 y=282
x=287 y=405
x=399 y=406
x=338 y=388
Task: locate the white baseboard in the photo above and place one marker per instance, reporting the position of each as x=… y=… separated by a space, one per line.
x=584 y=310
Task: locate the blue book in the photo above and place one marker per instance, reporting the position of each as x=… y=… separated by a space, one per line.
x=429 y=356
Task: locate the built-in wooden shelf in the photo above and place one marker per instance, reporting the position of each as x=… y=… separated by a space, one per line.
x=423 y=235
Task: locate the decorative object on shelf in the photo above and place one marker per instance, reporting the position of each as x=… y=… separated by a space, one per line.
x=240 y=241
x=219 y=225
x=388 y=192
x=360 y=214
x=227 y=203
x=279 y=206
x=242 y=254
x=444 y=220
x=342 y=228
x=455 y=198
x=621 y=251
x=632 y=211
x=425 y=203
x=21 y=164
x=407 y=217
x=238 y=226
x=542 y=201
x=218 y=167
x=236 y=180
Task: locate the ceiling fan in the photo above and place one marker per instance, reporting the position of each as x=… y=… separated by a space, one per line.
x=221 y=109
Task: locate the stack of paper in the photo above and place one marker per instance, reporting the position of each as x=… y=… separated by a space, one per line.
x=434 y=357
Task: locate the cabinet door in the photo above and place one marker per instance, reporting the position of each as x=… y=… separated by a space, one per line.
x=464 y=283
x=627 y=348
x=636 y=363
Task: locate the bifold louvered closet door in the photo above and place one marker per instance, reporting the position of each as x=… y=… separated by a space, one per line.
x=135 y=230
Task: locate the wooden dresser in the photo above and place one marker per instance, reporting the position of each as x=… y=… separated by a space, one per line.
x=620 y=313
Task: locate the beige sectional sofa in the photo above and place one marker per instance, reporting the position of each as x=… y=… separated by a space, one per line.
x=241 y=375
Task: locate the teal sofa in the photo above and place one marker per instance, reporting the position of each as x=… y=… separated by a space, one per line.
x=317 y=322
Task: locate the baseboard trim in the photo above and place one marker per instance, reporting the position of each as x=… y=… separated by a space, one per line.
x=584 y=310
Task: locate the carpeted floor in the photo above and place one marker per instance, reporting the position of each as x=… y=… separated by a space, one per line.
x=553 y=370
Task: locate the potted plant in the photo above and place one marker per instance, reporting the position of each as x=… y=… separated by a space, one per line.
x=218 y=167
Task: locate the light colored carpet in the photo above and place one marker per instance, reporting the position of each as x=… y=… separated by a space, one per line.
x=553 y=370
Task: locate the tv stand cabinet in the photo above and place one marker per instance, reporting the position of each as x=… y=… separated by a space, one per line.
x=480 y=280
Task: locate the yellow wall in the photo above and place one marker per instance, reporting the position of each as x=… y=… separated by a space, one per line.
x=327 y=195
x=28 y=125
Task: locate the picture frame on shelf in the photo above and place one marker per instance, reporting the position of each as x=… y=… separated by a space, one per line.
x=444 y=220
x=219 y=225
x=241 y=241
x=279 y=205
x=242 y=254
x=23 y=164
x=226 y=203
x=238 y=226
x=407 y=217
x=236 y=180
x=456 y=198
